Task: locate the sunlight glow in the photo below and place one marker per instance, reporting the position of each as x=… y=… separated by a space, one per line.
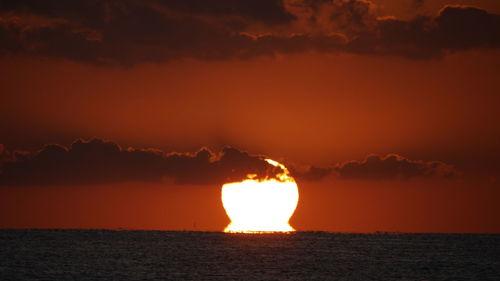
x=256 y=206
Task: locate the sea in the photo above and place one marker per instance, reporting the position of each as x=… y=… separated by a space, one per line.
x=182 y=255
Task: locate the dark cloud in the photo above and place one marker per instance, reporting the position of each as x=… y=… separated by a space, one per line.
x=309 y=173
x=97 y=12
x=129 y=31
x=375 y=167
x=455 y=28
x=393 y=166
x=266 y=11
x=468 y=27
x=2 y=155
x=132 y=31
x=327 y=16
x=97 y=161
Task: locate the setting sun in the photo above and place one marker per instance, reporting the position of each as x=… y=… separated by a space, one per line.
x=261 y=205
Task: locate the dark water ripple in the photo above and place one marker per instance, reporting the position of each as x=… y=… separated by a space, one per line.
x=157 y=255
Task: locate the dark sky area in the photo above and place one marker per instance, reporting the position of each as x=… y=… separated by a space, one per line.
x=132 y=114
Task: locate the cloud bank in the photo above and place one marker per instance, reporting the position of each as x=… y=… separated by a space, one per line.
x=131 y=31
x=98 y=162
x=393 y=166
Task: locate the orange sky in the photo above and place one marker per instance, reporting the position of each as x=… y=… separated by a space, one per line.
x=306 y=106
x=352 y=105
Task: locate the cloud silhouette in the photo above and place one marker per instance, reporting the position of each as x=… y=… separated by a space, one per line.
x=393 y=166
x=455 y=28
x=97 y=161
x=309 y=172
x=129 y=32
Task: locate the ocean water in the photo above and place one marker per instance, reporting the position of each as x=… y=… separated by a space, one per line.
x=170 y=255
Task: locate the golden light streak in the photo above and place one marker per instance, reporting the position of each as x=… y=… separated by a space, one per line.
x=256 y=206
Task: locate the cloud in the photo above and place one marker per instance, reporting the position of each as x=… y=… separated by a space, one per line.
x=2 y=156
x=131 y=31
x=455 y=28
x=97 y=161
x=309 y=172
x=322 y=17
x=376 y=167
x=393 y=166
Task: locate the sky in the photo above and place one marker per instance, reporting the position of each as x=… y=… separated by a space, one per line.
x=132 y=114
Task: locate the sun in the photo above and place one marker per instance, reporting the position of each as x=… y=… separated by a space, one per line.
x=255 y=206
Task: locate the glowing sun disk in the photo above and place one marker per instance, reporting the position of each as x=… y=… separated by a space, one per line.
x=261 y=205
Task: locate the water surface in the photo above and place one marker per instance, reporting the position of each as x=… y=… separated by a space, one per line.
x=170 y=255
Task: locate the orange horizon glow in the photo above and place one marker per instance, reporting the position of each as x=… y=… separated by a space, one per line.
x=257 y=206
